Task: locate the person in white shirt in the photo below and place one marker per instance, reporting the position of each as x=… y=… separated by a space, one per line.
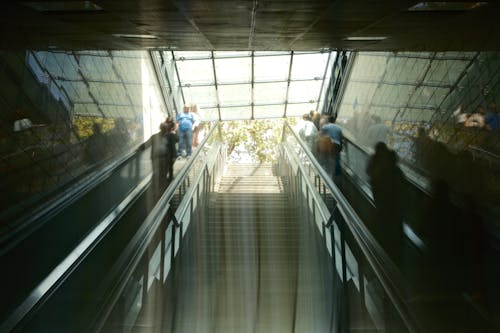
x=307 y=130
x=196 y=125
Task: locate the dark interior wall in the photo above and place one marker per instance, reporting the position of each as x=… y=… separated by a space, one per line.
x=53 y=130
x=425 y=107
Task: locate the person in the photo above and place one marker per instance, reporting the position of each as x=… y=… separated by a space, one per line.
x=323 y=151
x=315 y=117
x=159 y=158
x=185 y=121
x=378 y=131
x=387 y=185
x=196 y=124
x=335 y=133
x=171 y=149
x=492 y=118
x=307 y=130
x=476 y=119
x=22 y=122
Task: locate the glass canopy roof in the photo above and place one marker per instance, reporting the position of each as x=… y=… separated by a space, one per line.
x=249 y=85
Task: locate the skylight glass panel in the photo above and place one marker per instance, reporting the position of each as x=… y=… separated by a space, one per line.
x=118 y=111
x=359 y=93
x=405 y=70
x=235 y=94
x=135 y=93
x=232 y=70
x=236 y=113
x=445 y=72
x=269 y=111
x=181 y=55
x=49 y=62
x=204 y=96
x=195 y=72
x=271 y=53
x=68 y=66
x=273 y=68
x=96 y=68
x=77 y=91
x=209 y=114
x=299 y=109
x=369 y=67
x=225 y=54
x=108 y=93
x=428 y=97
x=88 y=110
x=392 y=95
x=265 y=93
x=308 y=66
x=304 y=91
x=129 y=70
x=234 y=74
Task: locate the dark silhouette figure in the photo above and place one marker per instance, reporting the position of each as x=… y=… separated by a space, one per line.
x=171 y=149
x=160 y=158
x=441 y=225
x=387 y=183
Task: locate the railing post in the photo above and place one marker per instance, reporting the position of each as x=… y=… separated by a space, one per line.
x=345 y=302
x=162 y=252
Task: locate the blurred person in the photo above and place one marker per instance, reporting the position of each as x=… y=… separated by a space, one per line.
x=196 y=125
x=387 y=184
x=476 y=119
x=323 y=151
x=160 y=159
x=492 y=118
x=315 y=117
x=173 y=138
x=22 y=122
x=334 y=132
x=307 y=130
x=378 y=131
x=185 y=121
x=170 y=120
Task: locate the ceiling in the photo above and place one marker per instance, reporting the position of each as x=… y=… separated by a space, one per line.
x=245 y=25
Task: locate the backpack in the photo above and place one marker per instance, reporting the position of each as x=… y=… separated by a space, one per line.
x=325 y=145
x=185 y=121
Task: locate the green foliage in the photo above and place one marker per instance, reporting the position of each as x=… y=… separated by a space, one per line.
x=259 y=137
x=83 y=125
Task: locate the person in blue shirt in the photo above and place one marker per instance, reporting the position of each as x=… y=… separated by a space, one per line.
x=334 y=132
x=492 y=118
x=185 y=121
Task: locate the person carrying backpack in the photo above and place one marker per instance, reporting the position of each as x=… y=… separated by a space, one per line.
x=185 y=121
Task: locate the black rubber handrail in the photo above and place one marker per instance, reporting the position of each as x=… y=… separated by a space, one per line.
x=383 y=267
x=130 y=258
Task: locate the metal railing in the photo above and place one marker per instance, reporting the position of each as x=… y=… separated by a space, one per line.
x=151 y=254
x=88 y=289
x=356 y=256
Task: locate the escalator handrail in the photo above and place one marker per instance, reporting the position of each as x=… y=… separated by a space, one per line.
x=132 y=254
x=403 y=163
x=25 y=225
x=383 y=267
x=50 y=284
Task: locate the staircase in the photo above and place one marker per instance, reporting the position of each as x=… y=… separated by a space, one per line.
x=250 y=264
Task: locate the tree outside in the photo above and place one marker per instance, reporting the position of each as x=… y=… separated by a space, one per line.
x=253 y=141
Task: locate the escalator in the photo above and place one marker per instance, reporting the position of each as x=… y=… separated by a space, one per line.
x=229 y=248
x=251 y=264
x=57 y=273
x=35 y=253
